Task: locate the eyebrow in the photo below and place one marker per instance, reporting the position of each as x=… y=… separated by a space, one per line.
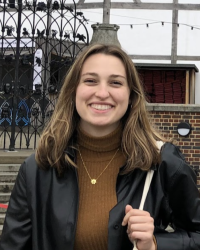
x=111 y=76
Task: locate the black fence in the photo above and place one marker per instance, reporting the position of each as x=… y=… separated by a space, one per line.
x=38 y=43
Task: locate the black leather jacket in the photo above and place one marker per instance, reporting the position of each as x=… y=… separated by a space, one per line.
x=43 y=208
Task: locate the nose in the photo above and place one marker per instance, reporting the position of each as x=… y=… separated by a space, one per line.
x=102 y=91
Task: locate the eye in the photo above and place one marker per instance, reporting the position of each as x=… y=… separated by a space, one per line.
x=116 y=83
x=89 y=81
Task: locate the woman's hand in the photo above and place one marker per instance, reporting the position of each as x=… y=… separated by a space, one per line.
x=140 y=227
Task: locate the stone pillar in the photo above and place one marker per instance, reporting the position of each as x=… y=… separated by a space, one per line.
x=105 y=34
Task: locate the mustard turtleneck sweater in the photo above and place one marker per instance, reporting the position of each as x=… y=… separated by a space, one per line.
x=95 y=201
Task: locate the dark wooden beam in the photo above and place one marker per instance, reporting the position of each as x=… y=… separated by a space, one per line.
x=81 y=1
x=164 y=57
x=150 y=57
x=139 y=5
x=157 y=6
x=174 y=34
x=106 y=11
x=188 y=58
x=142 y=6
x=88 y=5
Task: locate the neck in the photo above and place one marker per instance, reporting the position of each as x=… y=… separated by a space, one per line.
x=105 y=143
x=98 y=131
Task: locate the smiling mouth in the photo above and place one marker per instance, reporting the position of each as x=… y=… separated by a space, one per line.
x=101 y=106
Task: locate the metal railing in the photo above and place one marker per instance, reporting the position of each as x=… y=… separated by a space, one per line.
x=38 y=43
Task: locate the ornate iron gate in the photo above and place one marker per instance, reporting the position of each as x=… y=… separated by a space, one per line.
x=38 y=43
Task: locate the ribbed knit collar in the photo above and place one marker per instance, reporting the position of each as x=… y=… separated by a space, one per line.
x=100 y=144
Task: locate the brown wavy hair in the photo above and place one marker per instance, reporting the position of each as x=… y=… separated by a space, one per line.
x=139 y=135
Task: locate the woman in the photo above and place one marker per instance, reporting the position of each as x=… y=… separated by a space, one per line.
x=83 y=188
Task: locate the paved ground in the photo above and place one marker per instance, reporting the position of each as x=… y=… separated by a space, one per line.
x=17 y=156
x=21 y=152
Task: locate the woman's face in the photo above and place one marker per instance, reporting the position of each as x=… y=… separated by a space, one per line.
x=102 y=95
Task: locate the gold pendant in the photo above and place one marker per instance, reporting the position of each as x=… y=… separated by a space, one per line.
x=93 y=181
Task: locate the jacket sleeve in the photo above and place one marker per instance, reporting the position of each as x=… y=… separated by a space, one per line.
x=16 y=233
x=184 y=201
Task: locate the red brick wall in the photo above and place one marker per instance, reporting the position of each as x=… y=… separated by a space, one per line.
x=167 y=122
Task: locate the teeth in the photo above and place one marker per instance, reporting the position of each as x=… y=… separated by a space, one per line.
x=101 y=107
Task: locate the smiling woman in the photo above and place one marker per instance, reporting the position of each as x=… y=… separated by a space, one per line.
x=84 y=186
x=102 y=96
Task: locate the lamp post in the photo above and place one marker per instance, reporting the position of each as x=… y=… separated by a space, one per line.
x=105 y=33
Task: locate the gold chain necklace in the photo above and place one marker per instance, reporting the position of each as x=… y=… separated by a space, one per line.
x=94 y=181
